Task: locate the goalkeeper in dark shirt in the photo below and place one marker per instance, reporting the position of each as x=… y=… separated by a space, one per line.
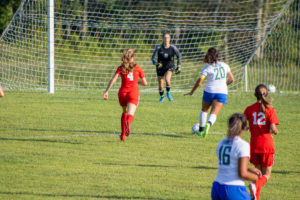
x=163 y=59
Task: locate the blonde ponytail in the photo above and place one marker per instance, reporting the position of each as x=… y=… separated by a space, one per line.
x=127 y=61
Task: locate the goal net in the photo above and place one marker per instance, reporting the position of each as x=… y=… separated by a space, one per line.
x=90 y=36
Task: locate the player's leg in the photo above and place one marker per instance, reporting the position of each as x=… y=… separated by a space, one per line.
x=168 y=76
x=1 y=91
x=216 y=107
x=131 y=108
x=203 y=117
x=123 y=104
x=160 y=80
x=266 y=169
x=217 y=103
x=123 y=120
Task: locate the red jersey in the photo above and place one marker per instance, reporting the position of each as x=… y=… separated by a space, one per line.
x=259 y=123
x=130 y=79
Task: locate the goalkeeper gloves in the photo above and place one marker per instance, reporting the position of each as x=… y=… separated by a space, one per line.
x=158 y=65
x=178 y=69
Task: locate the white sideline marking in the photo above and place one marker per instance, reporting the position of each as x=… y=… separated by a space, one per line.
x=111 y=135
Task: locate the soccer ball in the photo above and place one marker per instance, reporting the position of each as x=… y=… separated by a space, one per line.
x=195 y=128
x=271 y=88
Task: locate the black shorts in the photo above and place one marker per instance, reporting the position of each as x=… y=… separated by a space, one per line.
x=161 y=71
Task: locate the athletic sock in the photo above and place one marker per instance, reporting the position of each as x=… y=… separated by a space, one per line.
x=202 y=120
x=168 y=88
x=161 y=93
x=259 y=183
x=130 y=118
x=212 y=119
x=123 y=120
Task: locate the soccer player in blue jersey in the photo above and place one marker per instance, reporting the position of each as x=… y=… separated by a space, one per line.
x=163 y=59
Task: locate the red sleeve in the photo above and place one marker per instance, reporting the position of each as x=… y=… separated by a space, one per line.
x=118 y=70
x=273 y=117
x=141 y=73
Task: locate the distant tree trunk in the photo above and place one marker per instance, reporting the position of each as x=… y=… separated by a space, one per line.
x=177 y=33
x=85 y=20
x=226 y=47
x=259 y=27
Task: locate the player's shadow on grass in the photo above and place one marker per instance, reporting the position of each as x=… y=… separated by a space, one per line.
x=154 y=165
x=163 y=134
x=285 y=172
x=205 y=167
x=79 y=195
x=100 y=132
x=38 y=140
x=135 y=165
x=64 y=130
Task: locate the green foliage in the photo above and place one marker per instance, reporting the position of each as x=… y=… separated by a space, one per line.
x=7 y=9
x=67 y=145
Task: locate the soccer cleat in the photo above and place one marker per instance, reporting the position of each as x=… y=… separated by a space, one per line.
x=127 y=128
x=198 y=132
x=162 y=99
x=252 y=189
x=169 y=96
x=122 y=137
x=206 y=129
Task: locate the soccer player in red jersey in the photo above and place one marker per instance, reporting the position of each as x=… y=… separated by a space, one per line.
x=129 y=93
x=262 y=120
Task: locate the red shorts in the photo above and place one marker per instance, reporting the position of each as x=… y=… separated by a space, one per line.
x=262 y=159
x=128 y=97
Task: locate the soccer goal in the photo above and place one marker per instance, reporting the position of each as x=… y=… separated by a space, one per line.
x=71 y=44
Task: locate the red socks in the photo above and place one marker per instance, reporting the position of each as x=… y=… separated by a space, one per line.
x=259 y=183
x=130 y=118
x=123 y=120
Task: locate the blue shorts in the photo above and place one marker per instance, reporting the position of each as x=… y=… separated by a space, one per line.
x=209 y=97
x=229 y=192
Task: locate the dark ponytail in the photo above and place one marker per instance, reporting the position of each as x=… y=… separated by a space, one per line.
x=261 y=93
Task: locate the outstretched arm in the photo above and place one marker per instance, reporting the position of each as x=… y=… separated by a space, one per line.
x=153 y=58
x=178 y=56
x=110 y=84
x=197 y=84
x=143 y=82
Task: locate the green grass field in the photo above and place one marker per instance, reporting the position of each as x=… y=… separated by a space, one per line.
x=66 y=146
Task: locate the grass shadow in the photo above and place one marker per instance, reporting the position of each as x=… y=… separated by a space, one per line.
x=79 y=195
x=38 y=140
x=204 y=167
x=158 y=166
x=163 y=134
x=285 y=172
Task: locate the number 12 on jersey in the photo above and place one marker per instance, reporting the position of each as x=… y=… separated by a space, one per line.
x=224 y=155
x=259 y=118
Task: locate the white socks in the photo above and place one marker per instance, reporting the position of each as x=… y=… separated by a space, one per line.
x=212 y=118
x=202 y=118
